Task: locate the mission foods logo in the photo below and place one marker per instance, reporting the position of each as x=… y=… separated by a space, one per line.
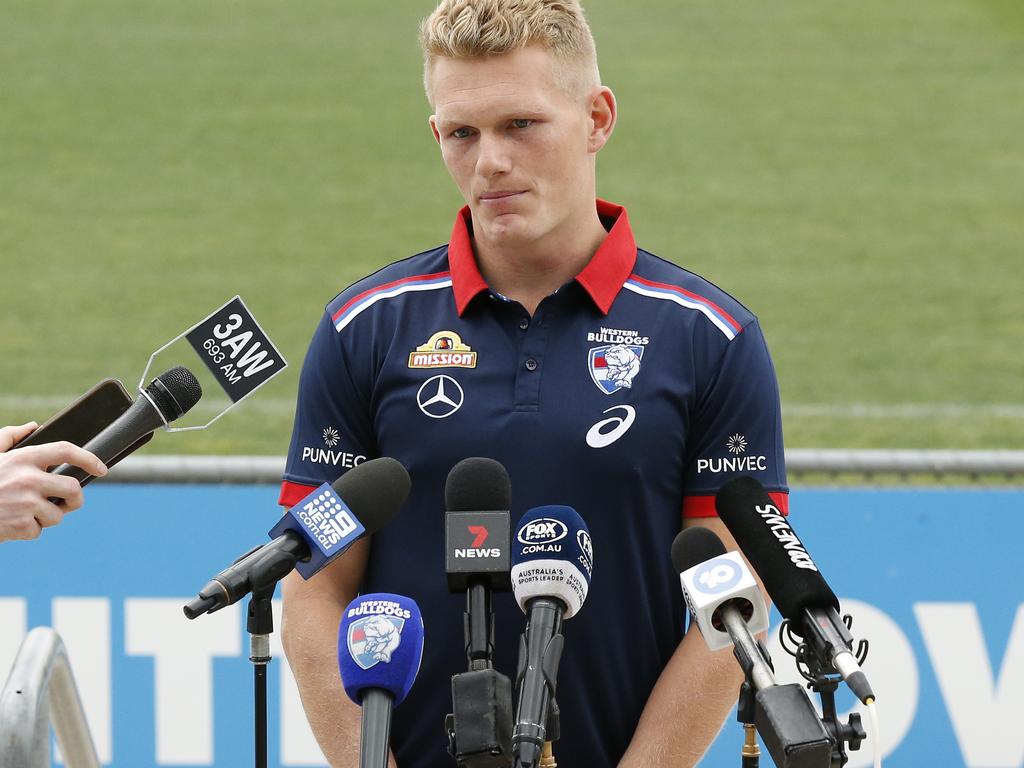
x=444 y=349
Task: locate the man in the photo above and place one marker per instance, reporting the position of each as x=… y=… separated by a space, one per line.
x=26 y=487
x=601 y=376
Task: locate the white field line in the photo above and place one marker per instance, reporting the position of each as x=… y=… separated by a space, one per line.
x=42 y=406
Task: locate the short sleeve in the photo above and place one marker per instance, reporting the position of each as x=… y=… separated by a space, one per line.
x=736 y=427
x=333 y=424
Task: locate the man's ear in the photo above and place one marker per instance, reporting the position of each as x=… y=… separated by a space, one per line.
x=603 y=113
x=433 y=128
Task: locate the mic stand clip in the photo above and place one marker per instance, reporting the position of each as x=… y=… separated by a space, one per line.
x=823 y=679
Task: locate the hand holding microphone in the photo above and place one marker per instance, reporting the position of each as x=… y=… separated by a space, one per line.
x=31 y=498
x=169 y=396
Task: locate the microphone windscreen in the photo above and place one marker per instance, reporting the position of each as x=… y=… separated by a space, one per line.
x=773 y=549
x=174 y=392
x=380 y=645
x=374 y=491
x=477 y=484
x=552 y=556
x=693 y=546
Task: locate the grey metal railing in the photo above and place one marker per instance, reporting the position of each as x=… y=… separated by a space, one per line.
x=799 y=462
x=39 y=690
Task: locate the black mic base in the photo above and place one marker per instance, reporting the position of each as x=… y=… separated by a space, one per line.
x=791 y=729
x=480 y=726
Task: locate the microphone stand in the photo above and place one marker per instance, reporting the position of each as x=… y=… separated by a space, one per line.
x=260 y=625
x=480 y=726
x=263 y=580
x=745 y=709
x=823 y=680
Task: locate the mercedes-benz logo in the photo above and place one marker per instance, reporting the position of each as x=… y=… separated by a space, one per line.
x=440 y=396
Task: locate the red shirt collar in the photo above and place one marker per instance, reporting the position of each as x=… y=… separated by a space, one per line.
x=602 y=278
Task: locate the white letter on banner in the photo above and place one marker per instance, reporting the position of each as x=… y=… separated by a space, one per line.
x=84 y=626
x=13 y=620
x=986 y=716
x=183 y=653
x=298 y=745
x=891 y=669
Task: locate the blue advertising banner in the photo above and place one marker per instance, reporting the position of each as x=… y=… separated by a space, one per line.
x=932 y=578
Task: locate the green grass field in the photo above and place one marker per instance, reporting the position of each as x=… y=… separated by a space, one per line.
x=853 y=171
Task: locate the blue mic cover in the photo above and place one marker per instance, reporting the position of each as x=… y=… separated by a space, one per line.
x=380 y=645
x=552 y=556
x=324 y=520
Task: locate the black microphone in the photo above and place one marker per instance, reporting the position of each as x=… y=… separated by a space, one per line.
x=477 y=558
x=722 y=594
x=791 y=577
x=373 y=491
x=477 y=495
x=168 y=397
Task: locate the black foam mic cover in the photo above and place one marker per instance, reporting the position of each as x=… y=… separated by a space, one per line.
x=477 y=484
x=767 y=539
x=694 y=546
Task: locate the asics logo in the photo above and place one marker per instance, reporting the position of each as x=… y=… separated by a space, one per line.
x=607 y=431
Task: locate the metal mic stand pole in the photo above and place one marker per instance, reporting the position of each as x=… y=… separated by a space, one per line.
x=260 y=625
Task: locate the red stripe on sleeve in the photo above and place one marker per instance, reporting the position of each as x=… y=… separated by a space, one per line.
x=293 y=493
x=704 y=506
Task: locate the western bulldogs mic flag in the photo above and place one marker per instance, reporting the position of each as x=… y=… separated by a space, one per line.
x=380 y=645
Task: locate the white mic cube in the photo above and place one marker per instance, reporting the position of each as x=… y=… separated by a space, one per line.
x=720 y=580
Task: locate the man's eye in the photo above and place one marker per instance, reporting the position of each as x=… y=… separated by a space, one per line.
x=521 y=122
x=460 y=133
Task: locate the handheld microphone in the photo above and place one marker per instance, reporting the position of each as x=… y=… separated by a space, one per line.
x=380 y=646
x=168 y=397
x=312 y=533
x=722 y=594
x=791 y=577
x=551 y=568
x=477 y=551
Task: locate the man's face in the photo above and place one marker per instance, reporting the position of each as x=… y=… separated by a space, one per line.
x=518 y=146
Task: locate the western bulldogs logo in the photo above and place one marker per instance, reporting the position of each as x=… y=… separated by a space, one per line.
x=614 y=367
x=374 y=639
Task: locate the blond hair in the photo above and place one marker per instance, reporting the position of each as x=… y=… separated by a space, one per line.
x=468 y=29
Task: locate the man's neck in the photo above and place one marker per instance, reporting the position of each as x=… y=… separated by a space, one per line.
x=529 y=273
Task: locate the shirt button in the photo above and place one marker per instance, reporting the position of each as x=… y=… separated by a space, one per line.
x=531 y=364
x=524 y=324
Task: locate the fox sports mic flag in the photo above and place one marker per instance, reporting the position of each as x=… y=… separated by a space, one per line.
x=552 y=556
x=380 y=645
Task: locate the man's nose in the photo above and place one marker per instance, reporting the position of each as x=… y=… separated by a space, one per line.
x=494 y=157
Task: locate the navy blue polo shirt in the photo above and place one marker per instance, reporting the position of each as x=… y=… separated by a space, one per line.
x=632 y=394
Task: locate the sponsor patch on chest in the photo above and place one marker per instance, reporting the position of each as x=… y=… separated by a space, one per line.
x=445 y=349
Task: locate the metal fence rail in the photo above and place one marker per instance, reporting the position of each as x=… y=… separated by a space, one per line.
x=39 y=690
x=799 y=462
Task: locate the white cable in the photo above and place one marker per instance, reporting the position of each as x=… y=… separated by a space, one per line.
x=875 y=741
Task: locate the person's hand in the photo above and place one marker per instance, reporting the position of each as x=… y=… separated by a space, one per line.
x=26 y=487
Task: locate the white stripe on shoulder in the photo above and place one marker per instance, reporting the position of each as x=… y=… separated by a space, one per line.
x=729 y=332
x=369 y=301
